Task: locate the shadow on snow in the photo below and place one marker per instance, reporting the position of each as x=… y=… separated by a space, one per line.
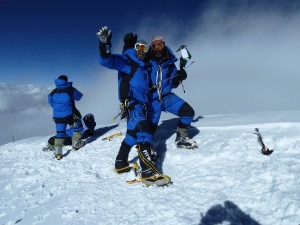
x=229 y=213
x=100 y=131
x=165 y=130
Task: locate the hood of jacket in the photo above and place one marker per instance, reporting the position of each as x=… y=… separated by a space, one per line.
x=59 y=83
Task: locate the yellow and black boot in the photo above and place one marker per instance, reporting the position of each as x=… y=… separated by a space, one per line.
x=149 y=173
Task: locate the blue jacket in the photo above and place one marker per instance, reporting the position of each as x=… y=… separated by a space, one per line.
x=139 y=83
x=61 y=99
x=162 y=75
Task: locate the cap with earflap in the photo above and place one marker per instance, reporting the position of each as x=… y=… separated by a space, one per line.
x=142 y=42
x=63 y=77
x=158 y=46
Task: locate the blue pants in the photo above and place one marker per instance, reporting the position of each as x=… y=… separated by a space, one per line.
x=138 y=128
x=60 y=130
x=173 y=104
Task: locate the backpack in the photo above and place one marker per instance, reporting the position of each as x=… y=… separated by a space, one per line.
x=124 y=80
x=70 y=91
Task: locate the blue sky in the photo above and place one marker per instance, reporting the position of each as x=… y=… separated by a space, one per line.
x=43 y=38
x=246 y=55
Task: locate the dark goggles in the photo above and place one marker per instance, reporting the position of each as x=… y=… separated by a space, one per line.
x=158 y=45
x=141 y=47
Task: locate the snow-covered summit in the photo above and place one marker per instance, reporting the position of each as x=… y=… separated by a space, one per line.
x=227 y=181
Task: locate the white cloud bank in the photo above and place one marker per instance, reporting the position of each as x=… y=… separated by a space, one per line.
x=17 y=98
x=247 y=55
x=25 y=112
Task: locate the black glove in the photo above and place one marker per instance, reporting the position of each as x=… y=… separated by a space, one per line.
x=181 y=75
x=104 y=34
x=129 y=41
x=104 y=49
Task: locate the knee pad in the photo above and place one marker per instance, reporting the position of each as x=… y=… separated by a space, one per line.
x=186 y=110
x=144 y=126
x=153 y=128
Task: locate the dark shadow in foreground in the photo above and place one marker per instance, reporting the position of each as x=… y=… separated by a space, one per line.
x=229 y=213
x=165 y=130
x=100 y=131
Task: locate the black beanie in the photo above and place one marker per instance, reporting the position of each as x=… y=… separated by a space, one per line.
x=63 y=77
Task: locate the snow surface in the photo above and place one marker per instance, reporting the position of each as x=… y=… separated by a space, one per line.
x=225 y=181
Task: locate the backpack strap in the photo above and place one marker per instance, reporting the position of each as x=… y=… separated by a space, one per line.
x=124 y=85
x=69 y=91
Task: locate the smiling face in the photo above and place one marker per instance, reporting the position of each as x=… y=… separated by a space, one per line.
x=158 y=49
x=141 y=49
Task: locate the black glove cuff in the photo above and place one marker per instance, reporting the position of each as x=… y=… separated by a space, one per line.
x=104 y=49
x=181 y=75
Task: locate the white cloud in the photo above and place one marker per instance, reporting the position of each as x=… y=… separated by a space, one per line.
x=25 y=112
x=247 y=57
x=17 y=98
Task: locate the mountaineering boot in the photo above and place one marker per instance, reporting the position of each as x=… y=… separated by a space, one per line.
x=58 y=156
x=149 y=173
x=49 y=147
x=183 y=141
x=122 y=166
x=157 y=180
x=79 y=145
x=76 y=143
x=121 y=163
x=58 y=145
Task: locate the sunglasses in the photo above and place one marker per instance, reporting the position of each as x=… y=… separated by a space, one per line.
x=157 y=46
x=141 y=47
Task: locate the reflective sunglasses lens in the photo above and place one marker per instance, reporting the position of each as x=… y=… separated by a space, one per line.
x=157 y=46
x=141 y=47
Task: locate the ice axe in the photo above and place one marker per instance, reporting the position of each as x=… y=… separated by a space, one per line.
x=264 y=149
x=186 y=57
